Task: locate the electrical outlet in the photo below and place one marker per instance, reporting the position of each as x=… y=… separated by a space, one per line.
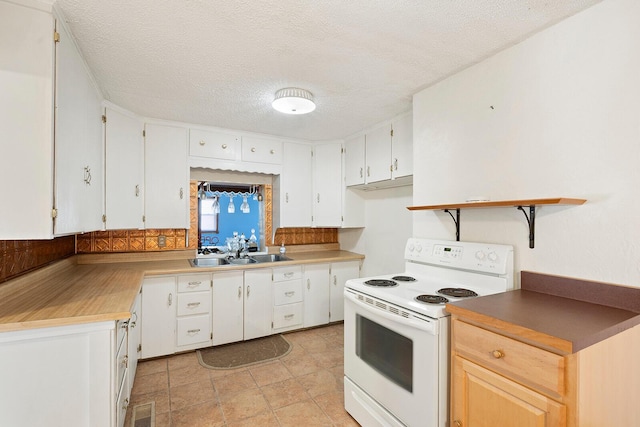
x=162 y=241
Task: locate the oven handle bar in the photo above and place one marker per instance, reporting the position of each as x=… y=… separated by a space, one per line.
x=426 y=325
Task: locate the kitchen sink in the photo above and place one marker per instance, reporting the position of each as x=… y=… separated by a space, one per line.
x=242 y=261
x=270 y=258
x=208 y=262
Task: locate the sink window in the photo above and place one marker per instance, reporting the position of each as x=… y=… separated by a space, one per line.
x=224 y=209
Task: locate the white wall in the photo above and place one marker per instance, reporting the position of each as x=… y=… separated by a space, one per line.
x=565 y=122
x=388 y=225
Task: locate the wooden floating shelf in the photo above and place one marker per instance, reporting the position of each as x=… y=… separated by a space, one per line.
x=519 y=204
x=501 y=204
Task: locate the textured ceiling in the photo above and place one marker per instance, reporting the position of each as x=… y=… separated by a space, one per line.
x=219 y=63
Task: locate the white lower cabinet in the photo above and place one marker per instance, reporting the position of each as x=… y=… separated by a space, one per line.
x=257 y=303
x=340 y=273
x=316 y=294
x=287 y=298
x=159 y=311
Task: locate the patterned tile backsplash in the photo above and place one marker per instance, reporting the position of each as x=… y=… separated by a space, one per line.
x=21 y=256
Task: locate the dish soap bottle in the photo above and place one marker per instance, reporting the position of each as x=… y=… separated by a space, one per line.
x=282 y=249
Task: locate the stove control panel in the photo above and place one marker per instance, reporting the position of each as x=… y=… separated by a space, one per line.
x=482 y=257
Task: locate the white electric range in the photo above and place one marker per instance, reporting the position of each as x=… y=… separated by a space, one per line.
x=397 y=329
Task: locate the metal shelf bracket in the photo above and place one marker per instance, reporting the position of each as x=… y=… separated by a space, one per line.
x=531 y=220
x=456 y=221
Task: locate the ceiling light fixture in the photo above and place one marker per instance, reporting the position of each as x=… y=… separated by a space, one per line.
x=292 y=100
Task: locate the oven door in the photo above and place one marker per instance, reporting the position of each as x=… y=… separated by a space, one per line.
x=395 y=364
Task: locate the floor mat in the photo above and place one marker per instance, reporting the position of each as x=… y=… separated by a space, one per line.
x=244 y=353
x=144 y=415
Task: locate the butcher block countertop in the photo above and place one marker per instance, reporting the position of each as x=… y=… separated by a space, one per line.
x=94 y=288
x=563 y=314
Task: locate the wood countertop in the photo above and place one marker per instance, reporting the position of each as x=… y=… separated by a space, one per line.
x=86 y=289
x=565 y=315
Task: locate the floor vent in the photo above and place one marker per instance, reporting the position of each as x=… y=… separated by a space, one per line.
x=144 y=415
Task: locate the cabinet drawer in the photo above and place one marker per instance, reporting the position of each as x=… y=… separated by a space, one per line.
x=288 y=315
x=215 y=145
x=287 y=292
x=194 y=282
x=193 y=329
x=194 y=303
x=287 y=273
x=261 y=150
x=514 y=359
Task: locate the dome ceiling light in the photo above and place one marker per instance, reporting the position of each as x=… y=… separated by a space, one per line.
x=292 y=100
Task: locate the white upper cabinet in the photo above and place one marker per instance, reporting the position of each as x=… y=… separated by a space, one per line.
x=261 y=150
x=382 y=157
x=79 y=154
x=166 y=177
x=328 y=184
x=402 y=147
x=124 y=173
x=293 y=187
x=26 y=122
x=212 y=144
x=354 y=171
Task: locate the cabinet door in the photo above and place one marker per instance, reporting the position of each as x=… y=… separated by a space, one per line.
x=378 y=154
x=135 y=333
x=159 y=310
x=296 y=186
x=228 y=309
x=214 y=145
x=124 y=202
x=166 y=177
x=327 y=182
x=402 y=147
x=26 y=122
x=316 y=294
x=354 y=160
x=78 y=143
x=483 y=398
x=258 y=303
x=340 y=273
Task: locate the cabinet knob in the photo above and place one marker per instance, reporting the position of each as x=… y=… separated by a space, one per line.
x=224 y=146
x=253 y=149
x=272 y=151
x=498 y=354
x=202 y=142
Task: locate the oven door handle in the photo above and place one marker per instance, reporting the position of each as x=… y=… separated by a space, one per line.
x=425 y=325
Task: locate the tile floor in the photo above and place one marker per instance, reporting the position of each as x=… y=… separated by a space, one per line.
x=304 y=388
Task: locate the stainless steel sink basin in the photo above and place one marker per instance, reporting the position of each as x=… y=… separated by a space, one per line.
x=242 y=261
x=208 y=262
x=270 y=258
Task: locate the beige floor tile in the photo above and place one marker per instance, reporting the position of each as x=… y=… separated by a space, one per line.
x=206 y=414
x=163 y=420
x=234 y=383
x=269 y=373
x=284 y=393
x=302 y=365
x=306 y=413
x=329 y=358
x=183 y=360
x=158 y=381
x=333 y=405
x=191 y=394
x=186 y=375
x=243 y=405
x=151 y=367
x=267 y=419
x=320 y=382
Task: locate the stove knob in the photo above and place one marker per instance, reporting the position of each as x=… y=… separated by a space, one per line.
x=493 y=256
x=480 y=255
x=418 y=248
x=411 y=247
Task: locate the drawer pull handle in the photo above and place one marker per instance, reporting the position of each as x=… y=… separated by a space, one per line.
x=289 y=294
x=497 y=354
x=288 y=316
x=289 y=274
x=457 y=423
x=239 y=291
x=193 y=331
x=193 y=304
x=194 y=284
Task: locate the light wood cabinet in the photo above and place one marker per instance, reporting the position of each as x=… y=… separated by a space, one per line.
x=507 y=375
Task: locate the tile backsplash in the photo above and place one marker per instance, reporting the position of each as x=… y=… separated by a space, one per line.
x=21 y=256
